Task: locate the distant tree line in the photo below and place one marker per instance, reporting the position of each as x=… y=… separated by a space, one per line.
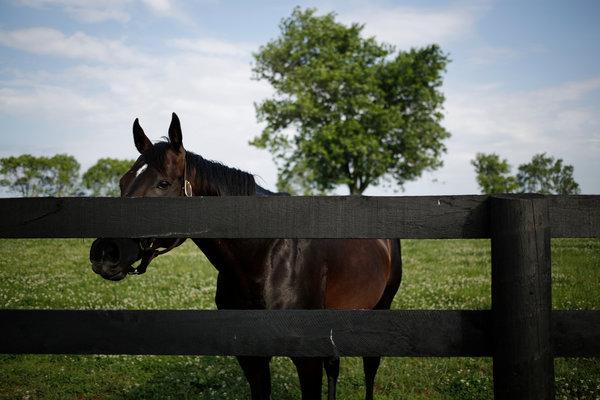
x=543 y=174
x=59 y=175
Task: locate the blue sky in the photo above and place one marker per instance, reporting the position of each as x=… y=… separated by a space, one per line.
x=524 y=78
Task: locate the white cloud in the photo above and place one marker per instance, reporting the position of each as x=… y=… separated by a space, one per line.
x=559 y=120
x=48 y=100
x=93 y=106
x=85 y=11
x=517 y=125
x=213 y=95
x=491 y=55
x=407 y=27
x=213 y=46
x=207 y=82
x=48 y=41
x=92 y=11
x=159 y=6
x=169 y=9
x=527 y=118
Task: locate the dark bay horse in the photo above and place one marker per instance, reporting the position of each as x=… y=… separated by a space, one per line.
x=256 y=273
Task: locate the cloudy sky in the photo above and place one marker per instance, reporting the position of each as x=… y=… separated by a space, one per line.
x=74 y=74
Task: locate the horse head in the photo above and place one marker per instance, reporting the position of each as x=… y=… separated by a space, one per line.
x=160 y=171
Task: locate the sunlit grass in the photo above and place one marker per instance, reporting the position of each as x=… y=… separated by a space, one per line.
x=449 y=274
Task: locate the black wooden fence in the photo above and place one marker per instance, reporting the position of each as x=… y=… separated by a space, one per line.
x=521 y=332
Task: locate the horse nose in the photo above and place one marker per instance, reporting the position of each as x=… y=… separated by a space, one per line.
x=104 y=251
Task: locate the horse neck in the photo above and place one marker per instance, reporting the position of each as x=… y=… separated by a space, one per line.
x=224 y=254
x=232 y=254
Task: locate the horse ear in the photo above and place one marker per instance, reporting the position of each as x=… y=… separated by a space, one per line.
x=142 y=143
x=175 y=136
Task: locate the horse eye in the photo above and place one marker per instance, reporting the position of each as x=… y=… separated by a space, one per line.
x=163 y=185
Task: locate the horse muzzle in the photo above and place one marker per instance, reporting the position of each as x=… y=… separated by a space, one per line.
x=113 y=258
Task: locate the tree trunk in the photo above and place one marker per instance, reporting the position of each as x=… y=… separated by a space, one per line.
x=354 y=190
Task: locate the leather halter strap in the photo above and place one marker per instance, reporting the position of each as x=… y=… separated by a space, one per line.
x=187 y=186
x=151 y=252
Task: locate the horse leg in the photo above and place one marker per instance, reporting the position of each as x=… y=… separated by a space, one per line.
x=310 y=373
x=258 y=374
x=332 y=368
x=370 y=366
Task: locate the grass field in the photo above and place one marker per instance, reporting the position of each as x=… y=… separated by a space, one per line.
x=450 y=274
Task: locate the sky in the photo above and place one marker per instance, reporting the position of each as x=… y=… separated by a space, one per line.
x=524 y=78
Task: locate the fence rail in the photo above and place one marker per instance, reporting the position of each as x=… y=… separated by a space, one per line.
x=426 y=217
x=302 y=333
x=520 y=332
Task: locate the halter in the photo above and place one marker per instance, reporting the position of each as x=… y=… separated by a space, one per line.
x=150 y=249
x=187 y=186
x=149 y=252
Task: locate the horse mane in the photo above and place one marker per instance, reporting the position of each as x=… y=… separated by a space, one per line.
x=220 y=179
x=211 y=176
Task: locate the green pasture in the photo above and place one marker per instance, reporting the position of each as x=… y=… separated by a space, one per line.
x=448 y=274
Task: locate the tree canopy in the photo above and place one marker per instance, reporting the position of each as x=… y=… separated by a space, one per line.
x=546 y=175
x=493 y=174
x=543 y=174
x=32 y=176
x=348 y=110
x=102 y=178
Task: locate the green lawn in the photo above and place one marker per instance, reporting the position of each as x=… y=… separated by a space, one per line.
x=450 y=274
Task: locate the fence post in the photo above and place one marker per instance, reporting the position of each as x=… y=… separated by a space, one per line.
x=521 y=298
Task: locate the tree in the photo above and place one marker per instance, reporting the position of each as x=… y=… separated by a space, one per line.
x=493 y=174
x=102 y=178
x=543 y=175
x=348 y=110
x=546 y=175
x=21 y=174
x=61 y=176
x=32 y=176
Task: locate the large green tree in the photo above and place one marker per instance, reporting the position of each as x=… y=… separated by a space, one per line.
x=348 y=110
x=31 y=176
x=102 y=178
x=493 y=174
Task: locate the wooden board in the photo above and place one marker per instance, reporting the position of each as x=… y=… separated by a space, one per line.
x=250 y=332
x=257 y=217
x=523 y=364
x=576 y=333
x=425 y=217
x=290 y=332
x=574 y=216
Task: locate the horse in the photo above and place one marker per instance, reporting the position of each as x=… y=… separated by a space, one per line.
x=256 y=273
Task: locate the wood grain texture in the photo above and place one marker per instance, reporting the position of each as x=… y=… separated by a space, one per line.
x=576 y=333
x=574 y=216
x=251 y=217
x=431 y=217
x=521 y=298
x=291 y=332
x=247 y=332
